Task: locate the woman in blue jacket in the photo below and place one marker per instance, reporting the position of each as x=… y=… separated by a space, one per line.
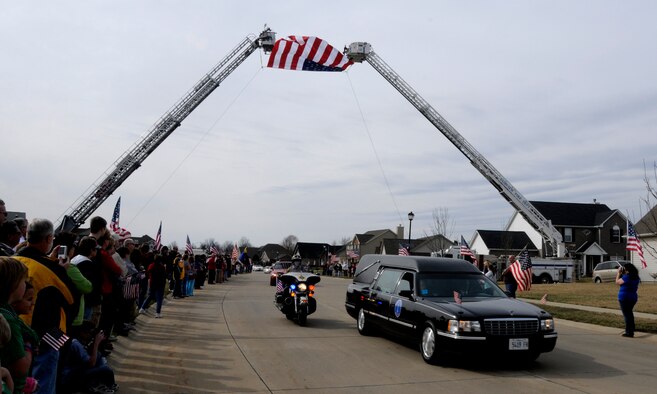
x=627 y=278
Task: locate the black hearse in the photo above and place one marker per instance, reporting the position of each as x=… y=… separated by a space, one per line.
x=447 y=306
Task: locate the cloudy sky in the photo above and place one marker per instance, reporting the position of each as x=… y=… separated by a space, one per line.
x=560 y=96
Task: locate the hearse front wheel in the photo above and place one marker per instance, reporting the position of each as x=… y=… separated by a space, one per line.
x=429 y=345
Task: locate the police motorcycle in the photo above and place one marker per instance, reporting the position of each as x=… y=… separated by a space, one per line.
x=295 y=295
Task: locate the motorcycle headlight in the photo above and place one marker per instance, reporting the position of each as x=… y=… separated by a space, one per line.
x=547 y=325
x=302 y=287
x=456 y=326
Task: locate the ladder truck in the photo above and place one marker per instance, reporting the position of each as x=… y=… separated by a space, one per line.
x=125 y=165
x=362 y=51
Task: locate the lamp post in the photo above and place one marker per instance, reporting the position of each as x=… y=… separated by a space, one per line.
x=411 y=216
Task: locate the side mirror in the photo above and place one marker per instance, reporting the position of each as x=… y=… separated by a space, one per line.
x=407 y=294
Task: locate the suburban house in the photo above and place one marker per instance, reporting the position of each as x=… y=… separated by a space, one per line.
x=646 y=229
x=370 y=242
x=312 y=254
x=426 y=246
x=272 y=252
x=491 y=244
x=591 y=232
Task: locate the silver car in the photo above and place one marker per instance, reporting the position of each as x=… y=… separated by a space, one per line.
x=606 y=271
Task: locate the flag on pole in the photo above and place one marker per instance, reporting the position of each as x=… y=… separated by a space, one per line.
x=236 y=252
x=465 y=251
x=158 y=238
x=114 y=225
x=213 y=250
x=633 y=243
x=307 y=54
x=522 y=271
x=188 y=246
x=544 y=299
x=403 y=251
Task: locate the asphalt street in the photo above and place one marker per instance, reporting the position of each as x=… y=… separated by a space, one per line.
x=230 y=338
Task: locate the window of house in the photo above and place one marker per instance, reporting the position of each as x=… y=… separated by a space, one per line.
x=568 y=234
x=615 y=235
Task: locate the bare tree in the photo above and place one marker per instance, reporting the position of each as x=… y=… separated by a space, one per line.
x=207 y=243
x=227 y=246
x=648 y=202
x=442 y=228
x=289 y=242
x=244 y=242
x=342 y=241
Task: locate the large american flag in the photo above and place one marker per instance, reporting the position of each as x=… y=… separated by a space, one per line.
x=465 y=250
x=188 y=246
x=114 y=225
x=522 y=271
x=633 y=243
x=236 y=252
x=403 y=251
x=158 y=238
x=308 y=54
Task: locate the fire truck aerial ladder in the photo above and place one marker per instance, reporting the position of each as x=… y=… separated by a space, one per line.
x=359 y=51
x=127 y=163
x=98 y=192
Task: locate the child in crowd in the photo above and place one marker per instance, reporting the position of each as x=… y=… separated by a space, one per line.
x=30 y=339
x=5 y=377
x=15 y=355
x=85 y=368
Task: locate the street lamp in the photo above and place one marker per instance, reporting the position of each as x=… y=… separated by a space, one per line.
x=411 y=216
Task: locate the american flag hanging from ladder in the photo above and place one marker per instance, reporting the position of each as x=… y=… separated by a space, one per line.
x=114 y=225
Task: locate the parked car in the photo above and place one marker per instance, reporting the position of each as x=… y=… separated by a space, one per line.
x=278 y=269
x=257 y=267
x=267 y=269
x=606 y=271
x=446 y=306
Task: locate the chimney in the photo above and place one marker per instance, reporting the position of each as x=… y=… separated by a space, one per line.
x=400 y=232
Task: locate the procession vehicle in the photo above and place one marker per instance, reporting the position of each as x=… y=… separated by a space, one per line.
x=447 y=306
x=278 y=269
x=295 y=295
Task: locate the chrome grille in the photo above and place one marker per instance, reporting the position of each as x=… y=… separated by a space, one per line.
x=510 y=326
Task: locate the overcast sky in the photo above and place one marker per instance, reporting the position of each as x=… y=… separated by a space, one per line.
x=560 y=96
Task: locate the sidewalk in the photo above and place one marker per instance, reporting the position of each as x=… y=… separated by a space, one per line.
x=642 y=315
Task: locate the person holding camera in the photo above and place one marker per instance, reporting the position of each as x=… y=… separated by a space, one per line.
x=627 y=278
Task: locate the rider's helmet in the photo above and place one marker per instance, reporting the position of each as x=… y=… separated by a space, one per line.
x=296 y=263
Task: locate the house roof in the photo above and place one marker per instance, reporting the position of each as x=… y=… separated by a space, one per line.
x=573 y=214
x=364 y=238
x=309 y=250
x=273 y=250
x=392 y=245
x=648 y=223
x=506 y=240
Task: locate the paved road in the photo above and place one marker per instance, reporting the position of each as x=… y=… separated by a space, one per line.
x=229 y=338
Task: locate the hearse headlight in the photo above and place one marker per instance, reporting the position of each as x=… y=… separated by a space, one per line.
x=457 y=326
x=547 y=325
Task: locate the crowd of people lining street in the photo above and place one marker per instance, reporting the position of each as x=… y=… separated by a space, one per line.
x=64 y=298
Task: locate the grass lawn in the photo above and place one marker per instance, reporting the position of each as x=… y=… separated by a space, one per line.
x=603 y=295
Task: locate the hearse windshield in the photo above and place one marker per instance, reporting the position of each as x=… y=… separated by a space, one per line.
x=469 y=285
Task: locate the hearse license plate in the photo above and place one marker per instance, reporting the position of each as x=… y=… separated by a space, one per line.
x=519 y=344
